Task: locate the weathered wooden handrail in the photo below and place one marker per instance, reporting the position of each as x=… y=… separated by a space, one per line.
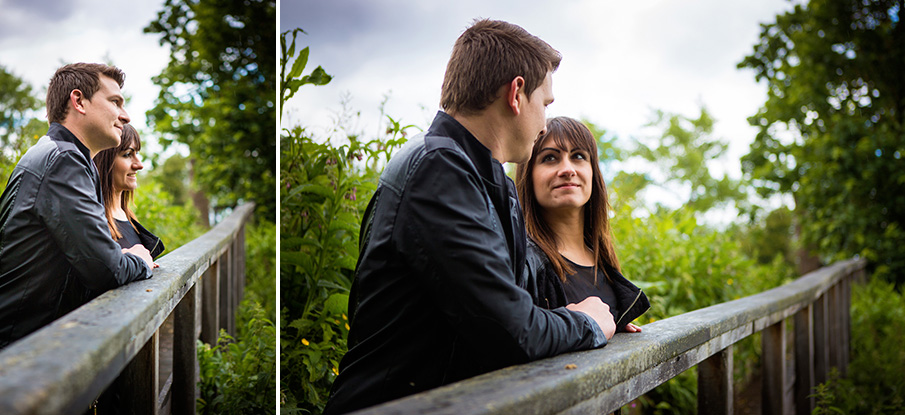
x=630 y=365
x=64 y=367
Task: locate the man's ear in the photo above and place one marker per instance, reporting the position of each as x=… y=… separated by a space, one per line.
x=513 y=99
x=76 y=98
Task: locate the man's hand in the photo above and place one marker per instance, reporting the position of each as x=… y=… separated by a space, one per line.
x=599 y=311
x=140 y=251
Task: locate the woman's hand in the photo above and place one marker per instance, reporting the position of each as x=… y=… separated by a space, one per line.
x=631 y=328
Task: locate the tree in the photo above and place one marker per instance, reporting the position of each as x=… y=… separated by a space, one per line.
x=218 y=95
x=680 y=155
x=18 y=128
x=831 y=131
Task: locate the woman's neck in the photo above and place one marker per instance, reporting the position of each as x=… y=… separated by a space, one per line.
x=568 y=226
x=117 y=207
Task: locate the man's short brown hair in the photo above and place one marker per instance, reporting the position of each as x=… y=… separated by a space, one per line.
x=488 y=55
x=82 y=76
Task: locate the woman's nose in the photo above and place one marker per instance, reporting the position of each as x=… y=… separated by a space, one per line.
x=136 y=164
x=567 y=169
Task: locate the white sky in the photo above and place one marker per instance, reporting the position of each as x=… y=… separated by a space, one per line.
x=621 y=60
x=39 y=36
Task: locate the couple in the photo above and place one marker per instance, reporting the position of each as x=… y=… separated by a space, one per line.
x=67 y=233
x=447 y=284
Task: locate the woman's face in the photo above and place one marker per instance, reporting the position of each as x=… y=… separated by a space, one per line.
x=125 y=165
x=562 y=176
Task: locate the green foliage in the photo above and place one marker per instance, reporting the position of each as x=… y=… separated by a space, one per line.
x=218 y=95
x=831 y=131
x=324 y=193
x=17 y=100
x=260 y=268
x=293 y=80
x=771 y=238
x=157 y=210
x=18 y=129
x=240 y=377
x=325 y=190
x=874 y=382
x=680 y=154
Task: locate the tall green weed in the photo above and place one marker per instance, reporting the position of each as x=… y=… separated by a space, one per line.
x=324 y=191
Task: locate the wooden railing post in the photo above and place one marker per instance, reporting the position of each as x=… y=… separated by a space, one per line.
x=240 y=262
x=185 y=355
x=774 y=368
x=135 y=391
x=821 y=340
x=846 y=322
x=227 y=317
x=715 y=384
x=804 y=360
x=835 y=330
x=210 y=304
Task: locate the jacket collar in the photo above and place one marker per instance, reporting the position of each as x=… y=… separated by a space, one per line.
x=446 y=126
x=57 y=132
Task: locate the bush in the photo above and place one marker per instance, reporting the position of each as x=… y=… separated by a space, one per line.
x=325 y=190
x=683 y=266
x=874 y=384
x=240 y=377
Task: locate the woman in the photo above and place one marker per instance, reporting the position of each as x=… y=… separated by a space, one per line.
x=570 y=246
x=117 y=168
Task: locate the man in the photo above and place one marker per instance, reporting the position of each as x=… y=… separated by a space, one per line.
x=435 y=297
x=53 y=233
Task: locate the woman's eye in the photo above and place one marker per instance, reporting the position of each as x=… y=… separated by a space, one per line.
x=548 y=158
x=580 y=156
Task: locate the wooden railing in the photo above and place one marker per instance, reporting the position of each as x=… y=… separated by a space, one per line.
x=601 y=381
x=139 y=338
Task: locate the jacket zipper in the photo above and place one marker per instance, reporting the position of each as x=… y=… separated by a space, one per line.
x=629 y=307
x=157 y=242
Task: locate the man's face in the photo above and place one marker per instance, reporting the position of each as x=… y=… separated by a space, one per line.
x=105 y=116
x=532 y=120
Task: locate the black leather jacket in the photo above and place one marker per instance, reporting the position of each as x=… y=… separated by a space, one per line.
x=540 y=279
x=53 y=233
x=150 y=241
x=434 y=298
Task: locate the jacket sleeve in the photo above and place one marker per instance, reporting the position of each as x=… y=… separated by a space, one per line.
x=67 y=203
x=450 y=235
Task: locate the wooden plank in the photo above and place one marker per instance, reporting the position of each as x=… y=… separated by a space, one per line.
x=773 y=341
x=226 y=315
x=834 y=338
x=185 y=356
x=210 y=305
x=804 y=360
x=846 y=323
x=715 y=384
x=136 y=389
x=821 y=341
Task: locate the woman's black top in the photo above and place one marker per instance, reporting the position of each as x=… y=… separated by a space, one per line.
x=130 y=237
x=581 y=285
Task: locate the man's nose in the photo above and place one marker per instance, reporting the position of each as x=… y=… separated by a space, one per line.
x=124 y=117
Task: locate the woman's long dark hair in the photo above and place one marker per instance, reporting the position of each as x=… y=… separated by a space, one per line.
x=104 y=162
x=597 y=234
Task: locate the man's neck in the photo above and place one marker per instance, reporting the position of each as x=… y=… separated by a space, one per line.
x=488 y=130
x=79 y=135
